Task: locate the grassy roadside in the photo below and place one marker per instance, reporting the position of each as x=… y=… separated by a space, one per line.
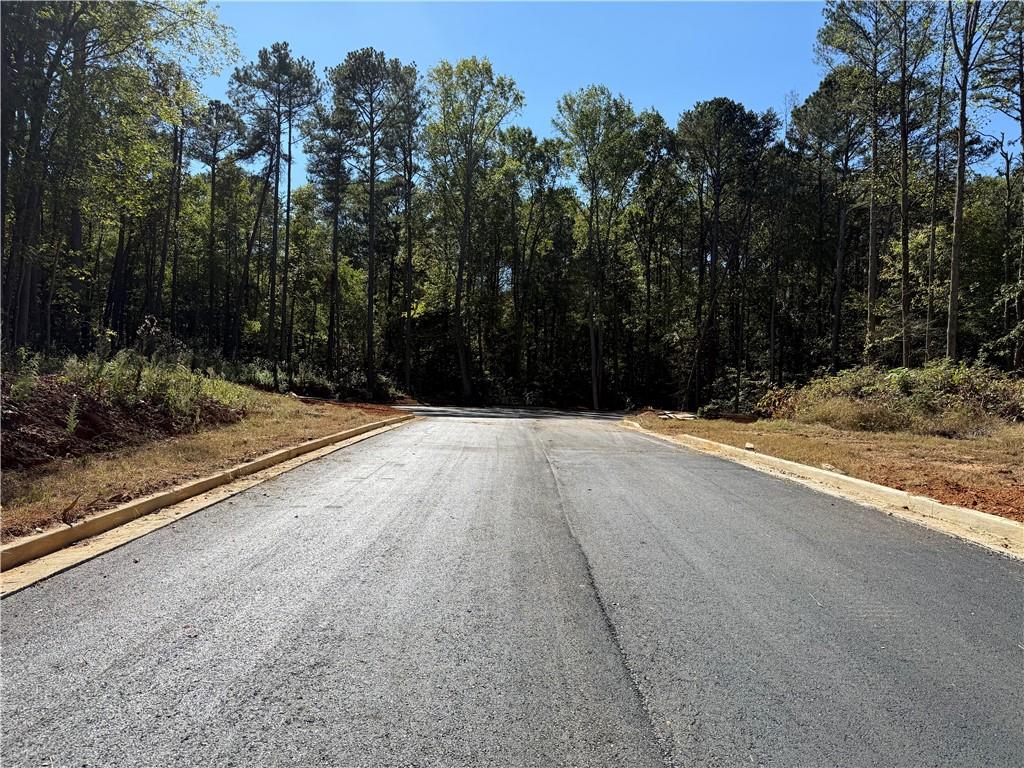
x=67 y=489
x=984 y=473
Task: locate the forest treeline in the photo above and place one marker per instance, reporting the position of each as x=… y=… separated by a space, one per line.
x=439 y=249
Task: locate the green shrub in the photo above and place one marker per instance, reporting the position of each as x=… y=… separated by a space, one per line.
x=24 y=371
x=71 y=420
x=183 y=392
x=953 y=400
x=166 y=386
x=232 y=395
x=777 y=403
x=258 y=373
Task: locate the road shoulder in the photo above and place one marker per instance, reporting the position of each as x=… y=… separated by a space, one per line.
x=998 y=534
x=171 y=506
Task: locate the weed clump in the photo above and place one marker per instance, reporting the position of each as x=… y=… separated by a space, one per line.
x=98 y=403
x=945 y=399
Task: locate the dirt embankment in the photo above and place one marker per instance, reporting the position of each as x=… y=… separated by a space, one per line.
x=59 y=419
x=58 y=469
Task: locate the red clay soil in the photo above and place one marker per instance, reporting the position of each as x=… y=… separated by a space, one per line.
x=1005 y=501
x=34 y=430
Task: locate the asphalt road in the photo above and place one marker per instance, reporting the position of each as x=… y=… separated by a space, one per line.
x=503 y=588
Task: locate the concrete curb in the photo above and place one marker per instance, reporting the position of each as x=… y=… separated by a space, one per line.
x=997 y=533
x=24 y=550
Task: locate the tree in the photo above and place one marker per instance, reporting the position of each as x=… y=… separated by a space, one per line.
x=301 y=92
x=364 y=86
x=469 y=105
x=970 y=24
x=1001 y=75
x=218 y=131
x=329 y=149
x=598 y=130
x=829 y=127
x=442 y=246
x=911 y=30
x=409 y=97
x=259 y=90
x=723 y=147
x=80 y=117
x=860 y=32
x=940 y=123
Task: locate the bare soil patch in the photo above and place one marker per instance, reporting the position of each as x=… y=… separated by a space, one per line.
x=983 y=473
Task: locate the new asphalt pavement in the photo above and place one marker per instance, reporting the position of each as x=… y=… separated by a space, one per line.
x=498 y=587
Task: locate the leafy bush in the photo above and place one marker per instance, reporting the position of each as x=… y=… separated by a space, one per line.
x=257 y=373
x=131 y=380
x=953 y=400
x=753 y=387
x=776 y=403
x=710 y=411
x=71 y=420
x=310 y=380
x=23 y=369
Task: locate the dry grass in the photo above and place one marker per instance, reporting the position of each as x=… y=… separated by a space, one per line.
x=984 y=473
x=45 y=496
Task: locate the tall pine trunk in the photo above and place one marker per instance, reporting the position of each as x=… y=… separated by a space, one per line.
x=933 y=224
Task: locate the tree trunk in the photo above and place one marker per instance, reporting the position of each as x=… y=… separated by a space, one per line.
x=176 y=245
x=872 y=288
x=332 y=319
x=837 y=288
x=371 y=274
x=272 y=265
x=285 y=314
x=165 y=239
x=905 y=188
x=964 y=57
x=243 y=300
x=460 y=334
x=210 y=249
x=1018 y=354
x=936 y=171
x=407 y=286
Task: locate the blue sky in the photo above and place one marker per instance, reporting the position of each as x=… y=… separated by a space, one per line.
x=662 y=55
x=665 y=55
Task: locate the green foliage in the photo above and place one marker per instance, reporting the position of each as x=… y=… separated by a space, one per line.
x=131 y=380
x=23 y=370
x=776 y=403
x=71 y=420
x=942 y=399
x=623 y=261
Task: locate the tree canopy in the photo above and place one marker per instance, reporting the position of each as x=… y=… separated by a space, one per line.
x=440 y=250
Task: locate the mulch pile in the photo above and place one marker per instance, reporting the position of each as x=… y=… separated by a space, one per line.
x=35 y=430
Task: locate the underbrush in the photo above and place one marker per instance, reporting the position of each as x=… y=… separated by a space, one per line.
x=307 y=379
x=940 y=399
x=94 y=404
x=130 y=379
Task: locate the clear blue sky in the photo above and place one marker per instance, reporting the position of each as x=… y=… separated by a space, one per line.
x=665 y=55
x=662 y=55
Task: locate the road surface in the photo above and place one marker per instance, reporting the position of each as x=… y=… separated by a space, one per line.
x=509 y=588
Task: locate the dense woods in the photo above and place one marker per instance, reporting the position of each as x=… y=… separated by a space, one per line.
x=435 y=247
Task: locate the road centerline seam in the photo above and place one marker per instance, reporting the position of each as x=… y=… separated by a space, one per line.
x=663 y=742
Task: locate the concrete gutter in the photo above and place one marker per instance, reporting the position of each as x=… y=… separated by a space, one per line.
x=24 y=550
x=991 y=531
